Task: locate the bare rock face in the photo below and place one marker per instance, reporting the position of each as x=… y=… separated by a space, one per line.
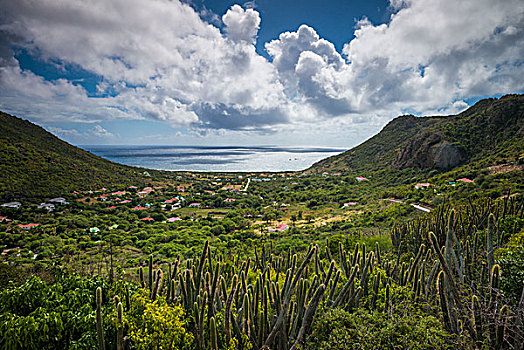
x=445 y=155
x=428 y=150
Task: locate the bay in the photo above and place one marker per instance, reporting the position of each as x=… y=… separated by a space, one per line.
x=214 y=158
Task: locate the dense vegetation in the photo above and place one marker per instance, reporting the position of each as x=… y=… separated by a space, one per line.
x=407 y=258
x=35 y=164
x=428 y=292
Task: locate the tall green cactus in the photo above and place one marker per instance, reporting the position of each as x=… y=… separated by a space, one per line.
x=99 y=322
x=489 y=241
x=120 y=327
x=501 y=327
x=150 y=276
x=213 y=335
x=443 y=301
x=475 y=306
x=141 y=277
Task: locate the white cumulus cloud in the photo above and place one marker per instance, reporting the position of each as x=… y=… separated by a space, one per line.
x=240 y=24
x=159 y=59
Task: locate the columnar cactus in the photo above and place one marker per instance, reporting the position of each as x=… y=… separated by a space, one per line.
x=99 y=324
x=120 y=327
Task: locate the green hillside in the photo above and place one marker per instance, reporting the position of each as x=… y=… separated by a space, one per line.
x=36 y=164
x=490 y=132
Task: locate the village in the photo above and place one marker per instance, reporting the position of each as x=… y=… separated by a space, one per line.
x=243 y=205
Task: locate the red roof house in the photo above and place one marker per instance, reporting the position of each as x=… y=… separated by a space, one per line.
x=139 y=208
x=28 y=226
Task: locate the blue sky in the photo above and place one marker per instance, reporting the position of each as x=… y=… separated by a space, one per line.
x=322 y=73
x=333 y=20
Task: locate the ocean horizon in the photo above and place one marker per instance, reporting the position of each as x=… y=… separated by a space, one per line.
x=214 y=158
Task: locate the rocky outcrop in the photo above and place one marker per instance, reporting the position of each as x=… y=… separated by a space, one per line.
x=492 y=128
x=428 y=150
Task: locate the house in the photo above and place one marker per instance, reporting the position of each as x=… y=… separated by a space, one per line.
x=465 y=180
x=112 y=227
x=139 y=208
x=118 y=193
x=111 y=207
x=58 y=200
x=125 y=201
x=14 y=205
x=2 y=218
x=147 y=219
x=28 y=226
x=132 y=187
x=282 y=227
x=94 y=230
x=142 y=194
x=49 y=207
x=422 y=185
x=229 y=200
x=194 y=205
x=173 y=219
x=361 y=178
x=349 y=204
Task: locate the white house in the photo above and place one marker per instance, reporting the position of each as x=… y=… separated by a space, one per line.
x=48 y=207
x=15 y=205
x=58 y=200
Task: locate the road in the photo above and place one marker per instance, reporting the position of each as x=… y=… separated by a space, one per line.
x=416 y=206
x=247 y=185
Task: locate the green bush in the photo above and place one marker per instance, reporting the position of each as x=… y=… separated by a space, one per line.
x=364 y=329
x=511 y=260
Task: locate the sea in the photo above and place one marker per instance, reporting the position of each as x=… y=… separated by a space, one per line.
x=215 y=158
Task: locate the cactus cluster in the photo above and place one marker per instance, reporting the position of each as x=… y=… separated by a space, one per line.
x=270 y=302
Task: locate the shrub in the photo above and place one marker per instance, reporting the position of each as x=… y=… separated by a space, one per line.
x=156 y=325
x=364 y=329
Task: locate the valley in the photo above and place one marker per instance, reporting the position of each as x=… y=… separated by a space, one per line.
x=390 y=248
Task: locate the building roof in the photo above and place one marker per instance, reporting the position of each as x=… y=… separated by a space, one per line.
x=28 y=225
x=361 y=178
x=282 y=227
x=12 y=204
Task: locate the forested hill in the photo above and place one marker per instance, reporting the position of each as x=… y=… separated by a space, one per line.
x=35 y=164
x=491 y=131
